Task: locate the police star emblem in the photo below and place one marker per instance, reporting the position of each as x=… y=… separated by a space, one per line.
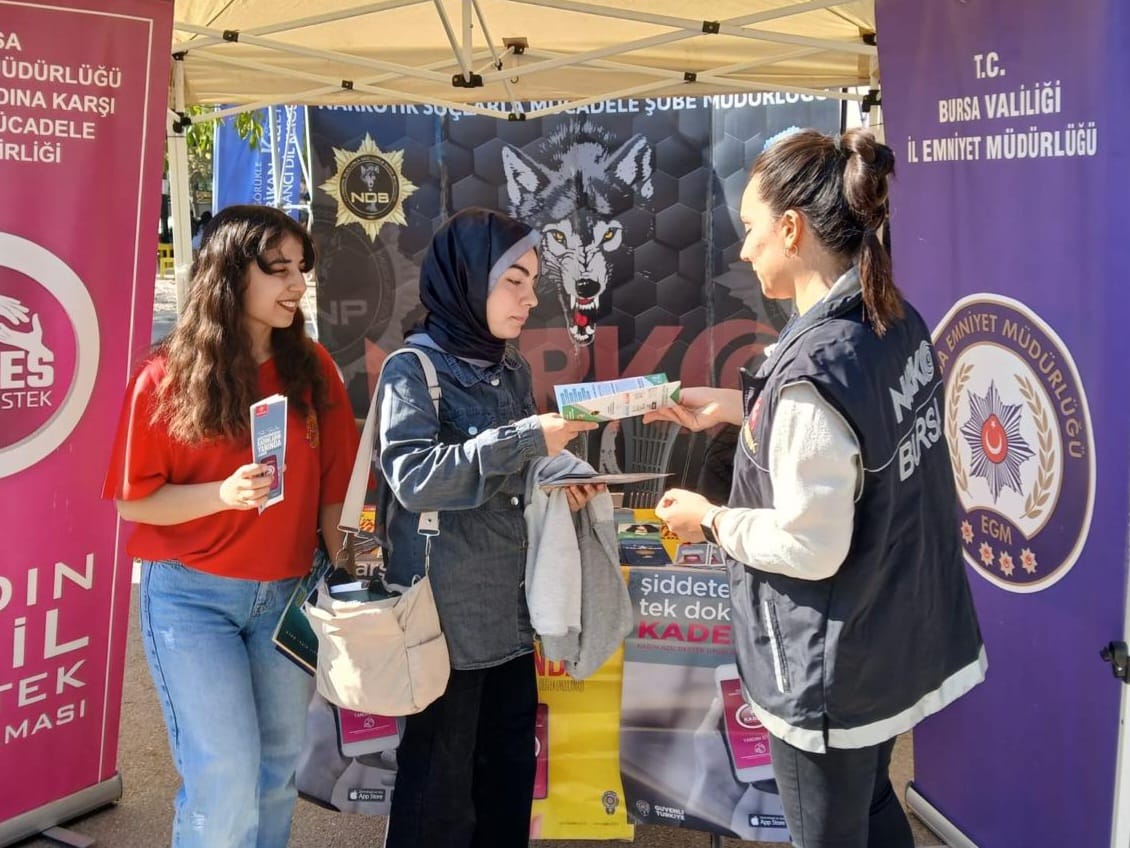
x=369 y=186
x=996 y=444
x=1018 y=427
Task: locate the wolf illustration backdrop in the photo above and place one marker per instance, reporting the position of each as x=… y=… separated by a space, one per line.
x=637 y=202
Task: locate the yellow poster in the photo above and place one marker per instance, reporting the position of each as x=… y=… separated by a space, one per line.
x=577 y=788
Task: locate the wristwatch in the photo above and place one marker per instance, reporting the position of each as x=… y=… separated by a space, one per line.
x=707 y=523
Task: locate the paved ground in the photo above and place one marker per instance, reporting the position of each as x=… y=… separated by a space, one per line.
x=164 y=307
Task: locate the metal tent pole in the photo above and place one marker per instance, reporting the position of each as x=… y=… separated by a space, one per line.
x=179 y=188
x=276 y=177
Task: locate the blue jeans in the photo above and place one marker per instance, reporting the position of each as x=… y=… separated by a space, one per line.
x=840 y=799
x=235 y=708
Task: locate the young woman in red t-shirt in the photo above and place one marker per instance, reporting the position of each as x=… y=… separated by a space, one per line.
x=216 y=573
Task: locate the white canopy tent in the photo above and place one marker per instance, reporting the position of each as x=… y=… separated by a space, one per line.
x=511 y=59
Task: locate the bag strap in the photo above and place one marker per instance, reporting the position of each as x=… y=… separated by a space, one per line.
x=363 y=464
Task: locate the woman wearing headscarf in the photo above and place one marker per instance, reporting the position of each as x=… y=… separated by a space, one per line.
x=466 y=763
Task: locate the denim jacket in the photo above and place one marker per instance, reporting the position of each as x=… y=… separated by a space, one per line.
x=469 y=464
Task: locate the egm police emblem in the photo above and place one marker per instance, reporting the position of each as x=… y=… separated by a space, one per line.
x=1019 y=434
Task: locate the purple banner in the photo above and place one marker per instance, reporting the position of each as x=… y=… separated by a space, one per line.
x=82 y=111
x=1010 y=130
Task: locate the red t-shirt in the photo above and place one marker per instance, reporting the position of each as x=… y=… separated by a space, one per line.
x=273 y=545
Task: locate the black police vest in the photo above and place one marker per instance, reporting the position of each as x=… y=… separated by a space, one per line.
x=891 y=637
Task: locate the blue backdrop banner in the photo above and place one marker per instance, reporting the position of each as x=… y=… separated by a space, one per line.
x=244 y=174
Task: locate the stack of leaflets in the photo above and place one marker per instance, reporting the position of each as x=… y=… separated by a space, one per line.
x=699 y=553
x=268 y=441
x=608 y=479
x=641 y=543
x=612 y=399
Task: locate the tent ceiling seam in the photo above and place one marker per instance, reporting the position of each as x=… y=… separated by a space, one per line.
x=733 y=26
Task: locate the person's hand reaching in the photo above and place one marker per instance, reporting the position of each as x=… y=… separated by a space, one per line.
x=682 y=512
x=560 y=431
x=697 y=409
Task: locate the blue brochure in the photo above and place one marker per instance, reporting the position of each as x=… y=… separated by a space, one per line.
x=268 y=441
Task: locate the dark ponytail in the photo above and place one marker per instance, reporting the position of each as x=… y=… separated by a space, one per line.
x=839 y=184
x=868 y=166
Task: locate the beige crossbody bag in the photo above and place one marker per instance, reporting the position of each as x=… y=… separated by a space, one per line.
x=386 y=656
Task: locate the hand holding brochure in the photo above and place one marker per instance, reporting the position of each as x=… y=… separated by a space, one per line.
x=268 y=441
x=612 y=399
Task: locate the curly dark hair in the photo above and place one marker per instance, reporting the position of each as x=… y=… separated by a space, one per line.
x=211 y=376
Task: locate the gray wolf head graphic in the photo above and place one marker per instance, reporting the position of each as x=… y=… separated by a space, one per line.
x=572 y=188
x=369 y=175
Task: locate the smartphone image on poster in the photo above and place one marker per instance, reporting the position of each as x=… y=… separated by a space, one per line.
x=272 y=462
x=541 y=752
x=361 y=733
x=747 y=740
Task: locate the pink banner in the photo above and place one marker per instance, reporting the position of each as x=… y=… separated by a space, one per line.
x=82 y=117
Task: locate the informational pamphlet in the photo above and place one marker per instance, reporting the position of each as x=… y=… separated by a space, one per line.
x=293 y=634
x=609 y=479
x=641 y=543
x=268 y=441
x=699 y=553
x=611 y=399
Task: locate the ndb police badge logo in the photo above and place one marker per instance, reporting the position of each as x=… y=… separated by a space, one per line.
x=369 y=186
x=1019 y=433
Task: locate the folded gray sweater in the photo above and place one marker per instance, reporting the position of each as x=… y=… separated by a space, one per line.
x=556 y=568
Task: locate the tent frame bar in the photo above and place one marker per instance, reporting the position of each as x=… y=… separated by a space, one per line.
x=693 y=28
x=460 y=53
x=328 y=55
x=313 y=92
x=328 y=84
x=179 y=188
x=686 y=29
x=718 y=76
x=302 y=23
x=733 y=86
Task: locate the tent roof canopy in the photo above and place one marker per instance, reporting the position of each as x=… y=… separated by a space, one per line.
x=548 y=53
